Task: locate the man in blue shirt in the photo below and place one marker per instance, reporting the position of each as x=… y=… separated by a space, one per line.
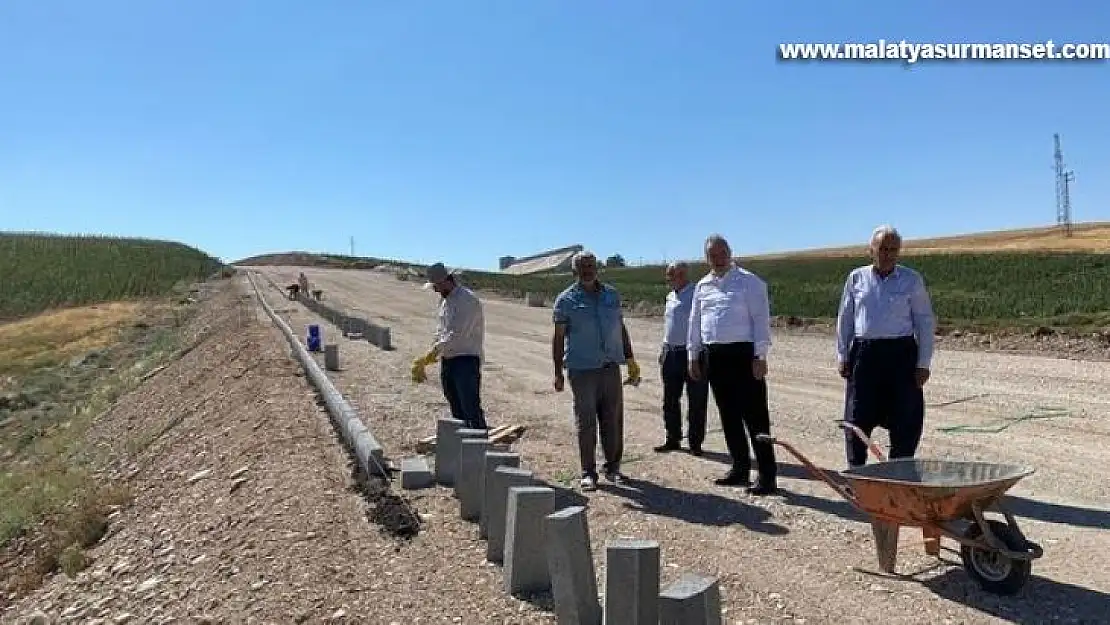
x=884 y=348
x=591 y=342
x=673 y=370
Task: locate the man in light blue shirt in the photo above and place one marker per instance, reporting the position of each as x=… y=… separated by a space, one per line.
x=884 y=349
x=591 y=342
x=673 y=369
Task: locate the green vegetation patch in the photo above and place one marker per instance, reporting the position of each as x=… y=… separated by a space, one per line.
x=987 y=289
x=52 y=271
x=984 y=290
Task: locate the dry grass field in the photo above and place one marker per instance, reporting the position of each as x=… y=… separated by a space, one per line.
x=1091 y=237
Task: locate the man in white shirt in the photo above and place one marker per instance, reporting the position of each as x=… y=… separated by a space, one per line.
x=727 y=344
x=459 y=339
x=884 y=347
x=673 y=369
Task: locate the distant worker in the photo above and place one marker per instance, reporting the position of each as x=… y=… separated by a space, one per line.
x=883 y=308
x=674 y=370
x=728 y=342
x=459 y=345
x=591 y=342
x=302 y=282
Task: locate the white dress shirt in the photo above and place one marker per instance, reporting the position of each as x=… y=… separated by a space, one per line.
x=676 y=316
x=460 y=327
x=873 y=307
x=730 y=309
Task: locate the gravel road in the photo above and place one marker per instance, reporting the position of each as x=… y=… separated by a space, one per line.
x=804 y=555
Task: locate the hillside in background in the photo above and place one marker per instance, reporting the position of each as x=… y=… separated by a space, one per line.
x=1093 y=237
x=42 y=271
x=1016 y=278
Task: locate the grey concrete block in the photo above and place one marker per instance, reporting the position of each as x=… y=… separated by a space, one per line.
x=331 y=357
x=526 y=568
x=493 y=460
x=691 y=600
x=463 y=434
x=370 y=455
x=631 y=582
x=472 y=455
x=570 y=564
x=497 y=492
x=447 y=450
x=415 y=473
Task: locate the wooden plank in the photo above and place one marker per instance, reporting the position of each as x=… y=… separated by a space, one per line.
x=499 y=434
x=511 y=434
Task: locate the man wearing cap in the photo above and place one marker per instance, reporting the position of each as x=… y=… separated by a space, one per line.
x=591 y=342
x=884 y=347
x=459 y=338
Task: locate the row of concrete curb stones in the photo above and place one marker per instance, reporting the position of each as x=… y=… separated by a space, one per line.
x=367 y=450
x=546 y=548
x=541 y=548
x=352 y=326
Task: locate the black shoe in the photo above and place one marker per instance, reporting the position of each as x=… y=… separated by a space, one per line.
x=763 y=487
x=696 y=451
x=668 y=446
x=733 y=478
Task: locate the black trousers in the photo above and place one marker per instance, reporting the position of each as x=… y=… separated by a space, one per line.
x=882 y=392
x=676 y=377
x=742 y=404
x=461 y=378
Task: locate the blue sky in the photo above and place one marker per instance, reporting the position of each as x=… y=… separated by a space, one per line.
x=463 y=131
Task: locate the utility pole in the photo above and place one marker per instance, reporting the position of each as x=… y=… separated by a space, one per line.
x=352 y=245
x=1064 y=177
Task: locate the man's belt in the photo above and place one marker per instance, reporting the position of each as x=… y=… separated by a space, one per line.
x=885 y=339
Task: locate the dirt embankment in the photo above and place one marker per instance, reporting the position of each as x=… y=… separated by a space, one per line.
x=244 y=509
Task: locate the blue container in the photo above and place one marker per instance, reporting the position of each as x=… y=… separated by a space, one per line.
x=314 y=338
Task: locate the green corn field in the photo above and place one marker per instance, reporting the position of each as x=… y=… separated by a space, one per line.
x=1065 y=289
x=968 y=290
x=47 y=271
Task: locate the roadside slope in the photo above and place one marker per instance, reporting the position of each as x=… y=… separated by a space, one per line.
x=289 y=543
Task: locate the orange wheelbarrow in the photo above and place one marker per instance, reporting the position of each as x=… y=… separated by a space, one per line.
x=944 y=498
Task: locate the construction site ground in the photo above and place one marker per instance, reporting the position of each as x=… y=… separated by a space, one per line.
x=295 y=543
x=789 y=556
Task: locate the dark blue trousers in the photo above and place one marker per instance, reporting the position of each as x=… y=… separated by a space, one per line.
x=676 y=376
x=882 y=392
x=461 y=377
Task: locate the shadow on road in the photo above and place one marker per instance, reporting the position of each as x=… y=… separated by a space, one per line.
x=1040 y=601
x=692 y=507
x=1020 y=506
x=1057 y=513
x=785 y=469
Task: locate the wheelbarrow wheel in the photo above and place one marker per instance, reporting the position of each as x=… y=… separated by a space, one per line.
x=993 y=571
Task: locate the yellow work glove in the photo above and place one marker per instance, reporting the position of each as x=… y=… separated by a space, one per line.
x=418 y=374
x=633 y=373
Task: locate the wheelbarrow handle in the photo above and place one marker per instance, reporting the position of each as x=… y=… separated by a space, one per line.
x=828 y=478
x=854 y=429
